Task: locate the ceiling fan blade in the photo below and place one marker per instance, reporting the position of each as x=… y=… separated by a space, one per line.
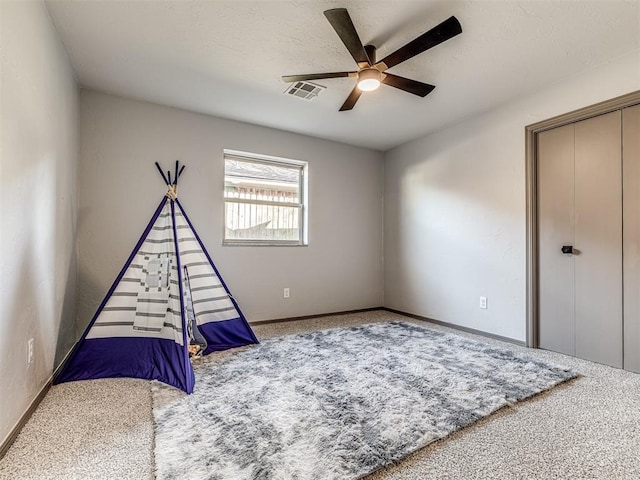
x=408 y=85
x=351 y=100
x=341 y=22
x=446 y=30
x=315 y=76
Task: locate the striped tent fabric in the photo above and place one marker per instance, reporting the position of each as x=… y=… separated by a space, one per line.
x=140 y=329
x=146 y=301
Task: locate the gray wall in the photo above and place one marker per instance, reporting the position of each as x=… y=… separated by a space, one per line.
x=455 y=218
x=120 y=139
x=38 y=163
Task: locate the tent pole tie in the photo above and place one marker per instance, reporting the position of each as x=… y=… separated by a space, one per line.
x=172 y=193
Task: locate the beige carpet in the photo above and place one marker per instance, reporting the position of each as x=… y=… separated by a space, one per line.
x=589 y=428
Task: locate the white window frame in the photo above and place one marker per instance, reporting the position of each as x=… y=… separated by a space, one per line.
x=302 y=205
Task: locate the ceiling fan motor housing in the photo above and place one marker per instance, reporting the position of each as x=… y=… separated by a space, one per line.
x=369 y=79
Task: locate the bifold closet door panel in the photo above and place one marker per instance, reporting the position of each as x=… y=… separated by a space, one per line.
x=556 y=228
x=598 y=239
x=631 y=219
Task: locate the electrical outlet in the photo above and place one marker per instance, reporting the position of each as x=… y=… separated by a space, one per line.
x=286 y=292
x=30 y=351
x=483 y=302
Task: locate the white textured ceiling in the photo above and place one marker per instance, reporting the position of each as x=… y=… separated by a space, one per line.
x=225 y=58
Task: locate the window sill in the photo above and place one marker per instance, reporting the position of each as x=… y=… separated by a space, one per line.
x=262 y=244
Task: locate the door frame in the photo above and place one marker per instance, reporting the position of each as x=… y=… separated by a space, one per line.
x=531 y=178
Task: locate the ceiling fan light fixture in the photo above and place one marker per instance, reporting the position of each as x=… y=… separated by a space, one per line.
x=369 y=79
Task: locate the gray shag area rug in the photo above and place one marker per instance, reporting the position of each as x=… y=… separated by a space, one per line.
x=335 y=404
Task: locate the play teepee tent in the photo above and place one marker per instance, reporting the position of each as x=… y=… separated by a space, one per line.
x=168 y=301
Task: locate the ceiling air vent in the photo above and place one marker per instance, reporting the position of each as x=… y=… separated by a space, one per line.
x=304 y=90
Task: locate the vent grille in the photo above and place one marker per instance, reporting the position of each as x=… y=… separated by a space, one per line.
x=304 y=90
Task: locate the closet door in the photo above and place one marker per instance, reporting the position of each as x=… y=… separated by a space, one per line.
x=598 y=234
x=631 y=216
x=556 y=228
x=580 y=208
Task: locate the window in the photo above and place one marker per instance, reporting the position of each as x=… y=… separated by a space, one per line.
x=264 y=200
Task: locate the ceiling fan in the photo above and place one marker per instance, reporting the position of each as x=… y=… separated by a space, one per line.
x=372 y=73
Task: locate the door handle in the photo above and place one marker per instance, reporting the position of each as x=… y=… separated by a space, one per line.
x=567 y=249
